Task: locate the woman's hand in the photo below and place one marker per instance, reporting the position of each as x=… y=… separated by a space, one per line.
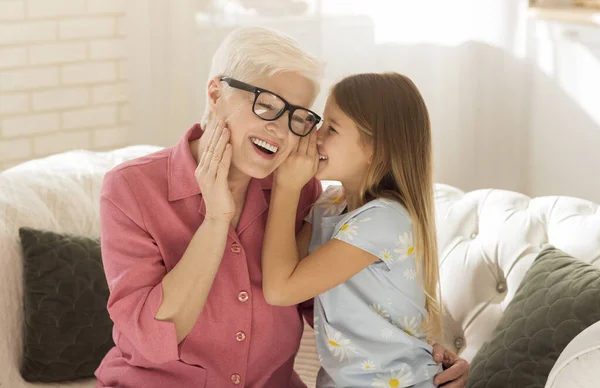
x=300 y=166
x=211 y=174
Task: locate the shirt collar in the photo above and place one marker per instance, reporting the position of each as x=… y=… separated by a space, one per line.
x=181 y=167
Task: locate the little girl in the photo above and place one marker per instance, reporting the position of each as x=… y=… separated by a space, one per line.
x=367 y=252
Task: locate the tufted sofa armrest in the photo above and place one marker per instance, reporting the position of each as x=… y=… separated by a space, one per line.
x=578 y=365
x=487 y=241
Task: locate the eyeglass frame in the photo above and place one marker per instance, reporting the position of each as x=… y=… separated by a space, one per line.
x=287 y=107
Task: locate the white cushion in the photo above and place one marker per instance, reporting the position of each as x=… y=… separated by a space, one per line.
x=579 y=364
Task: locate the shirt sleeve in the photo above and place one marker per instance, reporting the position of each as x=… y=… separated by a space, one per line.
x=383 y=231
x=134 y=270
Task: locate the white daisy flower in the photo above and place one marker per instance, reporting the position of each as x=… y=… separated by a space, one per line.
x=367 y=365
x=347 y=231
x=379 y=310
x=404 y=246
x=316 y=325
x=385 y=255
x=411 y=326
x=333 y=201
x=340 y=346
x=393 y=379
x=387 y=333
x=410 y=274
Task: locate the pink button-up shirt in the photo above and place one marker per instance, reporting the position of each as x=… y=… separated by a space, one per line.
x=150 y=209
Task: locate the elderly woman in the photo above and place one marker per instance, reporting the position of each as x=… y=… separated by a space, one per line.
x=182 y=232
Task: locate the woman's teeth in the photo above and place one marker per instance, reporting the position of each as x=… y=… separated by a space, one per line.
x=323 y=157
x=263 y=144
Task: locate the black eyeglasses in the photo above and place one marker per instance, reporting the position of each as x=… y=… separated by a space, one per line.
x=269 y=106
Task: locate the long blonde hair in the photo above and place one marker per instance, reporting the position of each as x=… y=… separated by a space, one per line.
x=393 y=118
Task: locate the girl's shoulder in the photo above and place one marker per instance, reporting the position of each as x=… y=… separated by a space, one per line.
x=382 y=227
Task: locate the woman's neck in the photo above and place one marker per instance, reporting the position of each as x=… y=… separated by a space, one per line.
x=238 y=183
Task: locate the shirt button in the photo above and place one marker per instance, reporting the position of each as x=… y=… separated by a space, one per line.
x=243 y=296
x=236 y=379
x=240 y=336
x=236 y=248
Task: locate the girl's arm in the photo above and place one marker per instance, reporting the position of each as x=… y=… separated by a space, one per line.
x=287 y=280
x=303 y=240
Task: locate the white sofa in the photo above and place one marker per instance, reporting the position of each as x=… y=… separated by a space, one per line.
x=488 y=239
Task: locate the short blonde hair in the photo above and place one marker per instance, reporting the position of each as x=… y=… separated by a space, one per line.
x=249 y=53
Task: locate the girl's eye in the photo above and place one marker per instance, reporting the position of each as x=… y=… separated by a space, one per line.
x=331 y=129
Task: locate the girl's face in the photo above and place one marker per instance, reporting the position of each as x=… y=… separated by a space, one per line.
x=344 y=156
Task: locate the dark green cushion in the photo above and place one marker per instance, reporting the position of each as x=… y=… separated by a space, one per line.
x=558 y=299
x=67 y=330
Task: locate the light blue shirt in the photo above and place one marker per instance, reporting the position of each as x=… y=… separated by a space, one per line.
x=369 y=329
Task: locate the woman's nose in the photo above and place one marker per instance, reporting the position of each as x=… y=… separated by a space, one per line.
x=279 y=127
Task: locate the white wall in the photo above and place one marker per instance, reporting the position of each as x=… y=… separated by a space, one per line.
x=62 y=77
x=515 y=103
x=564 y=153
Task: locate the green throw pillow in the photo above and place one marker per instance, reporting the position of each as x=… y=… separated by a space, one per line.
x=558 y=299
x=67 y=329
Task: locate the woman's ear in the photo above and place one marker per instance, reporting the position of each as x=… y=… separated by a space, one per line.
x=214 y=93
